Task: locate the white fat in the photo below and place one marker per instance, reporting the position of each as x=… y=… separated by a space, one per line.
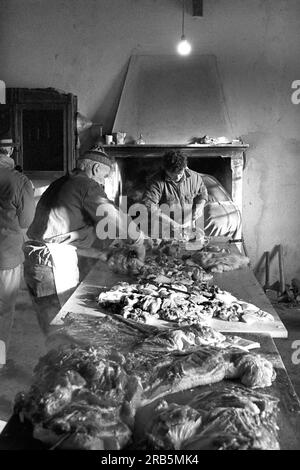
x=226 y=297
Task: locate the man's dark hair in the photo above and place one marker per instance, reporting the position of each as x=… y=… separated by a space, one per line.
x=174 y=161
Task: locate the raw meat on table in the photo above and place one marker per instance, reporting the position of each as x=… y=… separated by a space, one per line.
x=90 y=401
x=207 y=365
x=232 y=418
x=178 y=303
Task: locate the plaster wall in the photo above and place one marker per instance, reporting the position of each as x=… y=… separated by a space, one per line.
x=84 y=47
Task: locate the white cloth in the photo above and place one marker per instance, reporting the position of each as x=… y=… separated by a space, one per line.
x=9 y=285
x=65 y=268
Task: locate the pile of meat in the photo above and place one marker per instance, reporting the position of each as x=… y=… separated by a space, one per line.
x=217 y=260
x=189 y=338
x=171 y=260
x=170 y=247
x=211 y=258
x=122 y=260
x=186 y=338
x=165 y=269
x=228 y=419
x=78 y=395
x=178 y=303
x=166 y=261
x=80 y=400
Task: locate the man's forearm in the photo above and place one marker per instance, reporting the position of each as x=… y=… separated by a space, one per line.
x=166 y=218
x=198 y=208
x=156 y=213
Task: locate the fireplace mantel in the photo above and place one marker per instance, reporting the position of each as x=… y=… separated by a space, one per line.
x=157 y=150
x=236 y=153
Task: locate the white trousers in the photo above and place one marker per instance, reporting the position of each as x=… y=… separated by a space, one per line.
x=10 y=280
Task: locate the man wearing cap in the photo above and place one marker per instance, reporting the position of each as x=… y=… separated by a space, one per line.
x=65 y=222
x=16 y=213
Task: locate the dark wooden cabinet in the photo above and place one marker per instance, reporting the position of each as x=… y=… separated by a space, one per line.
x=43 y=125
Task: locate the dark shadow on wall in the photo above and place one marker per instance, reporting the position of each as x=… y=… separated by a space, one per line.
x=106 y=110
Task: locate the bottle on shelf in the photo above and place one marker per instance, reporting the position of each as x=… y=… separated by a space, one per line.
x=140 y=140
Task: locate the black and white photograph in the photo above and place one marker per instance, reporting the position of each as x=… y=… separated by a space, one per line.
x=149 y=227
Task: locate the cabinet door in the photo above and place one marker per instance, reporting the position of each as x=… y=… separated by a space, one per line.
x=5 y=119
x=43 y=141
x=43 y=124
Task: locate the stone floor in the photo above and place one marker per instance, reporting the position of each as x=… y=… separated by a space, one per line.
x=28 y=344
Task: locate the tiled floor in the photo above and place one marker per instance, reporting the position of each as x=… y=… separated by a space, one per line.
x=28 y=344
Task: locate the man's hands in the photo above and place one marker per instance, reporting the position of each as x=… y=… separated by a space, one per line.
x=187 y=224
x=138 y=246
x=198 y=212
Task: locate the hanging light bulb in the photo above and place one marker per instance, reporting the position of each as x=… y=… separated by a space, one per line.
x=183 y=47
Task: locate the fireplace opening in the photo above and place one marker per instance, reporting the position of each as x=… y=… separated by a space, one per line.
x=135 y=173
x=221 y=168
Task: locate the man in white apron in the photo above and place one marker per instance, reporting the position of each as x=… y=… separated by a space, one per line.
x=65 y=222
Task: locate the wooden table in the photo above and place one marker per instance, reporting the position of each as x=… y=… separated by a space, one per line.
x=241 y=283
x=19 y=436
x=82 y=304
x=282 y=388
